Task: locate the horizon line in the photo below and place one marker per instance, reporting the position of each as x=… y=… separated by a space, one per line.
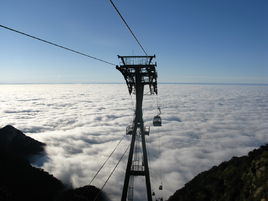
x=180 y=83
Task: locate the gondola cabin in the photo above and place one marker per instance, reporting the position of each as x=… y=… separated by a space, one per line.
x=129 y=130
x=157 y=121
x=146 y=130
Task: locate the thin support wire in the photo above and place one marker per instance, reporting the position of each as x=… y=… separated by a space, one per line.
x=128 y=27
x=54 y=44
x=161 y=171
x=106 y=160
x=111 y=173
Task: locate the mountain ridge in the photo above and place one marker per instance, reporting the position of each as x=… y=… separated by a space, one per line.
x=239 y=179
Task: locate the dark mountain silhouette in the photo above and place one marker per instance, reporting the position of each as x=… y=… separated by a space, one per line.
x=20 y=181
x=240 y=179
x=14 y=141
x=86 y=193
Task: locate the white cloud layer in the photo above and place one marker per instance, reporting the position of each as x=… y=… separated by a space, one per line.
x=202 y=126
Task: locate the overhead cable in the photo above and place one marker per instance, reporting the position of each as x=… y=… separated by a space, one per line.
x=106 y=160
x=128 y=27
x=60 y=46
x=111 y=173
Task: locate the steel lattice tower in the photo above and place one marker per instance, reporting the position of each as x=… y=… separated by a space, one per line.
x=138 y=71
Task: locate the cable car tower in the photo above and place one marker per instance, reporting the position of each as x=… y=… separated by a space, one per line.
x=138 y=71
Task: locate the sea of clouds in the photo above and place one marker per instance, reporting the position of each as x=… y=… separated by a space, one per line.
x=203 y=125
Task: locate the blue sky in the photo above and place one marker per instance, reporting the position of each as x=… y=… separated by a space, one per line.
x=208 y=41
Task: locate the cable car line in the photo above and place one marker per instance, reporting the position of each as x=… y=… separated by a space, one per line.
x=54 y=44
x=112 y=172
x=132 y=33
x=106 y=160
x=156 y=120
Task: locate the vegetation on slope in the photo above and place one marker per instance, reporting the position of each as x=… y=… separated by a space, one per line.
x=240 y=179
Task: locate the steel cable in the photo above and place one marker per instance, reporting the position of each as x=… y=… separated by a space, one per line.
x=54 y=44
x=118 y=12
x=111 y=173
x=106 y=160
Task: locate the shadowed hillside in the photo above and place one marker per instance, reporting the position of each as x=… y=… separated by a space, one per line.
x=86 y=193
x=20 y=181
x=240 y=179
x=14 y=141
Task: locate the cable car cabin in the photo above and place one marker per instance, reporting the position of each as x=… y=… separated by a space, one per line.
x=129 y=130
x=157 y=121
x=146 y=130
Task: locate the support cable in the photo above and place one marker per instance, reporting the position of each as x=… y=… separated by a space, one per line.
x=54 y=44
x=107 y=159
x=111 y=173
x=128 y=27
x=161 y=171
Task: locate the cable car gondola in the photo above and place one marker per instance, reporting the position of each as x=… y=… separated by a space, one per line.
x=129 y=130
x=146 y=130
x=157 y=119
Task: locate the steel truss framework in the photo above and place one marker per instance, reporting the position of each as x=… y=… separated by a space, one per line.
x=138 y=71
